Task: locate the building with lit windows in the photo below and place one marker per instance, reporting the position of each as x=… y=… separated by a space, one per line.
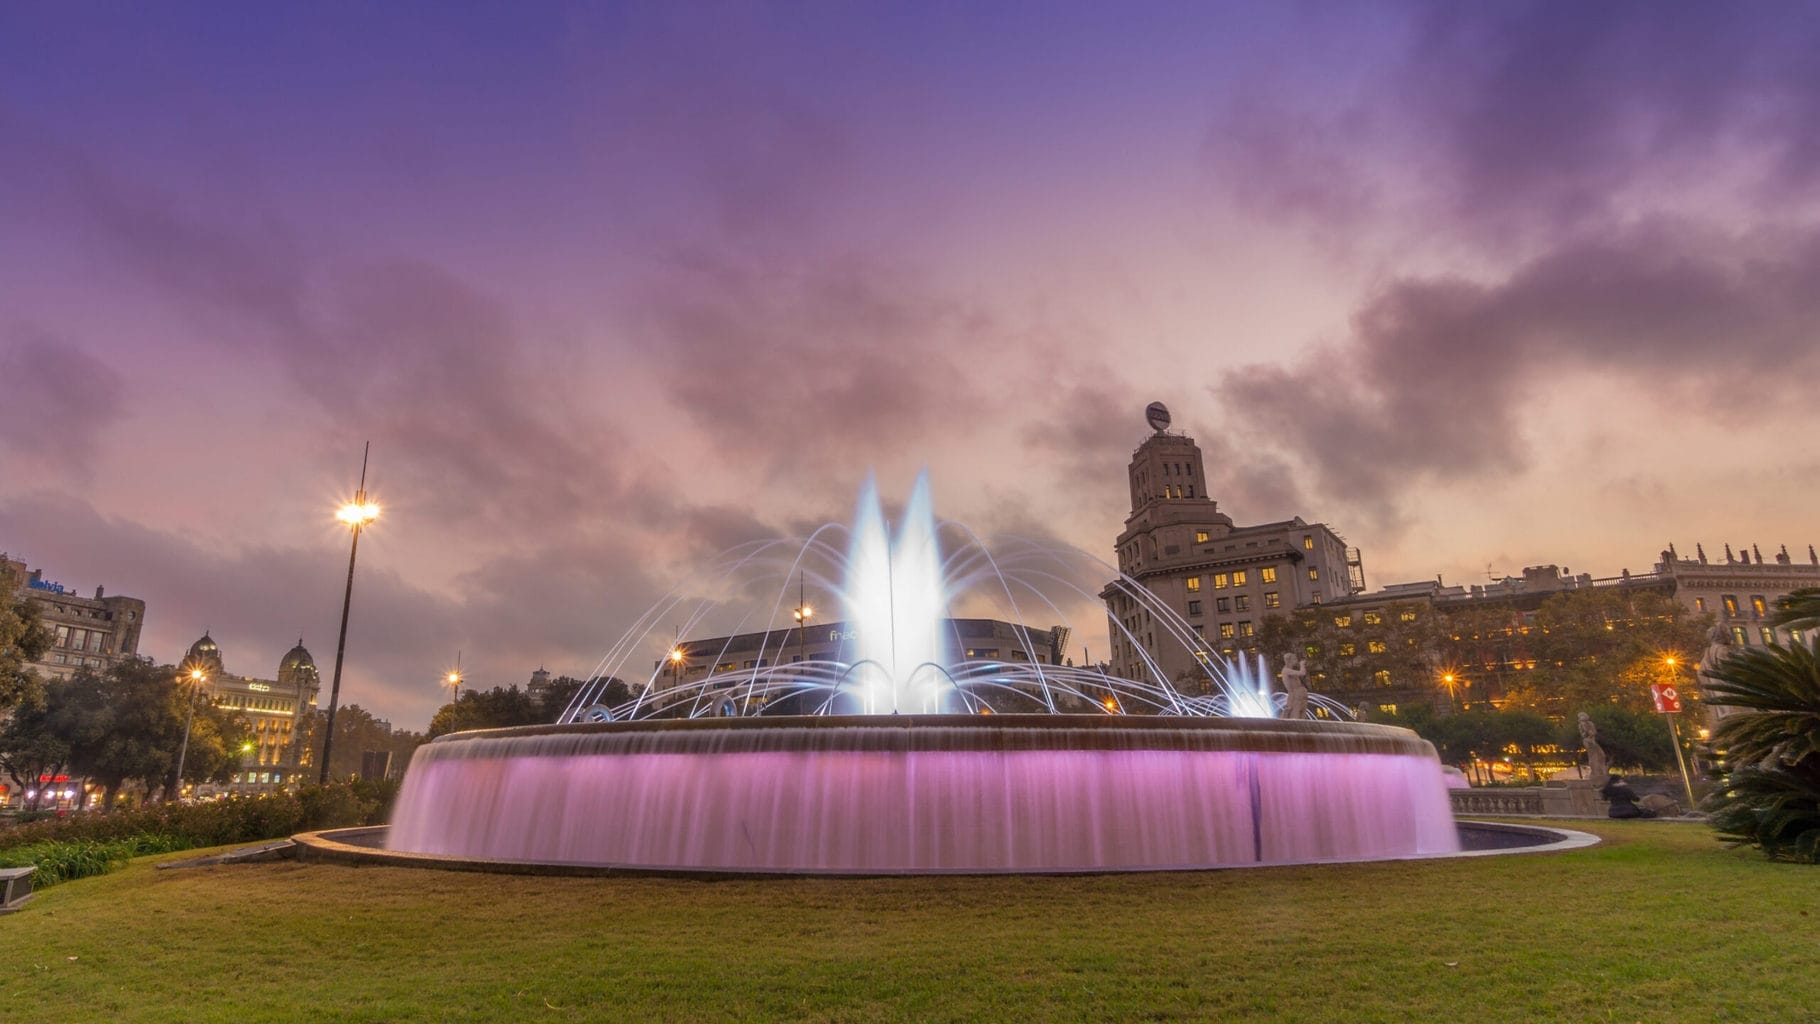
x=1220 y=577
x=278 y=711
x=86 y=632
x=1740 y=593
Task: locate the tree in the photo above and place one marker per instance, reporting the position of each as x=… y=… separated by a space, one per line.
x=1631 y=738
x=357 y=731
x=1768 y=750
x=127 y=723
x=498 y=708
x=29 y=750
x=23 y=639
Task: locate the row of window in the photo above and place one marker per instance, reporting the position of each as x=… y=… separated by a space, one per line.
x=1373 y=619
x=1241 y=603
x=1236 y=578
x=84 y=639
x=1759 y=605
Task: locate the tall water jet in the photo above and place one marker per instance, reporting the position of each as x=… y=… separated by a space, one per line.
x=895 y=603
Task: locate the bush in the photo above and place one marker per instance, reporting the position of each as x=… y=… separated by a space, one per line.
x=93 y=844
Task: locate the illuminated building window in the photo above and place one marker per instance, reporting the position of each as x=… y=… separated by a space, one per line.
x=1347 y=650
x=1268 y=574
x=1758 y=605
x=1194 y=584
x=1314 y=650
x=1381 y=677
x=1314 y=573
x=1238 y=578
x=1373 y=619
x=1699 y=604
x=1245 y=628
x=1308 y=542
x=1226 y=631
x=1376 y=646
x=1739 y=637
x=1731 y=605
x=1273 y=600
x=1343 y=621
x=1407 y=616
x=1219 y=581
x=1768 y=634
x=1200 y=536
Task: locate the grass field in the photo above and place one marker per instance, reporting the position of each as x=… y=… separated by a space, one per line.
x=1658 y=923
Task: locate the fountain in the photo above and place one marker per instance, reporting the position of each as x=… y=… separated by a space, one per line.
x=912 y=759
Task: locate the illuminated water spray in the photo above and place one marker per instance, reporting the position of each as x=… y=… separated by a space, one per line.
x=896 y=602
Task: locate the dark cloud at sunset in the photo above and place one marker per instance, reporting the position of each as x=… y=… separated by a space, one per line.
x=612 y=290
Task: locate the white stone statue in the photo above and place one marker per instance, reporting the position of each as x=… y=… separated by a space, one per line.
x=1295 y=686
x=1718 y=647
x=1596 y=768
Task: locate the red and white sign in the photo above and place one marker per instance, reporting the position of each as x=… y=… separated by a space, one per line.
x=1667 y=698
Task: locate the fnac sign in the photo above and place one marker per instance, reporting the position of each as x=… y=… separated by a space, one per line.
x=1667 y=698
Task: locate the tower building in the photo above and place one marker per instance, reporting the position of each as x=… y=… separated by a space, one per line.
x=1219 y=577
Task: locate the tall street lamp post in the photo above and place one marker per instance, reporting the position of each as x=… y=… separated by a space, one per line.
x=356 y=514
x=802 y=613
x=196 y=680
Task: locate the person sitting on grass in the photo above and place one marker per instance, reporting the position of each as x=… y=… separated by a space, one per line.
x=1622 y=798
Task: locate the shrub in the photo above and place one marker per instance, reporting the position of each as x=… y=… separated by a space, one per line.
x=92 y=844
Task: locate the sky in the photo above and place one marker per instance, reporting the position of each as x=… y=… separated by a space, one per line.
x=613 y=288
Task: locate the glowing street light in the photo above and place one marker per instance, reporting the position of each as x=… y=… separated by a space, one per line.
x=357 y=514
x=196 y=680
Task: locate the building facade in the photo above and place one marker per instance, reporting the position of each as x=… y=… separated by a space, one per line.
x=278 y=710
x=970 y=639
x=1220 y=578
x=1740 y=593
x=87 y=632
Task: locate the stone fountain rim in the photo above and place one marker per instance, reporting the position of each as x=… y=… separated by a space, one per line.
x=353 y=847
x=986 y=733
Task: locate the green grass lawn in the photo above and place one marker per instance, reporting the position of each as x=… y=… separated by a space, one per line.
x=1658 y=923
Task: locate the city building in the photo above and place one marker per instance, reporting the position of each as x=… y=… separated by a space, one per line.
x=1219 y=577
x=972 y=639
x=87 y=632
x=1740 y=593
x=276 y=709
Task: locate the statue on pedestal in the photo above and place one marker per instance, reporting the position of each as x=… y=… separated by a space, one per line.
x=1718 y=647
x=1295 y=686
x=1596 y=768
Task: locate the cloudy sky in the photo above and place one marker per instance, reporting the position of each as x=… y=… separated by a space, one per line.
x=612 y=288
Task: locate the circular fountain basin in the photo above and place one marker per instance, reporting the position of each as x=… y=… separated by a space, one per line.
x=927 y=794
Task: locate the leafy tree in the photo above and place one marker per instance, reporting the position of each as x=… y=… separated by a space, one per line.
x=1768 y=749
x=127 y=723
x=23 y=639
x=358 y=731
x=28 y=749
x=1631 y=738
x=498 y=708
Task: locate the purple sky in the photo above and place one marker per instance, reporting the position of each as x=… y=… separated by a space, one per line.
x=611 y=289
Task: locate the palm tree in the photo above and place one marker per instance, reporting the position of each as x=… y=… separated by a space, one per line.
x=1770 y=747
x=1798 y=609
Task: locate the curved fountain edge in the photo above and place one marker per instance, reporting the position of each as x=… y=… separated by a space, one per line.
x=332 y=846
x=1006 y=731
